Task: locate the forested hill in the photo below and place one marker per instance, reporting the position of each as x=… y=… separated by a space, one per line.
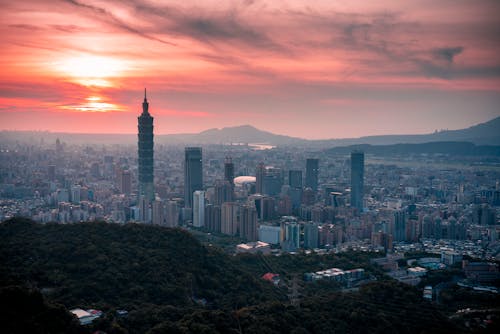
x=104 y=264
x=170 y=283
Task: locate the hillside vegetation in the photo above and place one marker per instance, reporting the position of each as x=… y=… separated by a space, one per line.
x=170 y=283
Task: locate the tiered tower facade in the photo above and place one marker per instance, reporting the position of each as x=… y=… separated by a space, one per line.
x=146 y=152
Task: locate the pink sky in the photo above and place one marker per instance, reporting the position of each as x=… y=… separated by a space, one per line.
x=312 y=69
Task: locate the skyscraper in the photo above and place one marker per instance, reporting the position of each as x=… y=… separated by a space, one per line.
x=272 y=181
x=399 y=233
x=312 y=170
x=260 y=172
x=357 y=176
x=229 y=170
x=295 y=178
x=193 y=174
x=145 y=143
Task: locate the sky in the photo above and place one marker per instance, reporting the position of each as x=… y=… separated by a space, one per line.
x=310 y=69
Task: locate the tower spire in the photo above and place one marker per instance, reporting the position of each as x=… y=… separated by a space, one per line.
x=145 y=104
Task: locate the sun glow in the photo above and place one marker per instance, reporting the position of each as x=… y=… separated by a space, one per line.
x=94 y=104
x=91 y=70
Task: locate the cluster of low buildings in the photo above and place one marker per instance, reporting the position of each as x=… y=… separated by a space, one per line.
x=337 y=275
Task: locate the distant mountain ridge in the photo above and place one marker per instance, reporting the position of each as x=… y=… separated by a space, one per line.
x=440 y=147
x=238 y=134
x=487 y=133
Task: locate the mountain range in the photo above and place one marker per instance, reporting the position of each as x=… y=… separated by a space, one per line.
x=487 y=133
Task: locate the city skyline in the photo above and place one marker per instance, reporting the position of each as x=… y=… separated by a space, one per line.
x=309 y=71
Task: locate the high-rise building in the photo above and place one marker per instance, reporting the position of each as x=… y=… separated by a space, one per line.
x=272 y=181
x=229 y=170
x=75 y=193
x=357 y=179
x=145 y=214
x=213 y=218
x=260 y=172
x=438 y=228
x=159 y=212
x=295 y=178
x=311 y=235
x=427 y=227
x=124 y=181
x=312 y=171
x=382 y=239
x=199 y=208
x=399 y=231
x=292 y=236
x=223 y=192
x=267 y=208
x=172 y=218
x=308 y=196
x=193 y=174
x=229 y=218
x=95 y=170
x=146 y=151
x=248 y=223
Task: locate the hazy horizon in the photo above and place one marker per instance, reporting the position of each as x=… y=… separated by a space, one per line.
x=236 y=126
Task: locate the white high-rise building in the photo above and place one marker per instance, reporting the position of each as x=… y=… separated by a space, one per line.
x=199 y=208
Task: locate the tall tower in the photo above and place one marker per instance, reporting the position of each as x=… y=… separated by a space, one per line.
x=312 y=170
x=357 y=177
x=145 y=143
x=193 y=174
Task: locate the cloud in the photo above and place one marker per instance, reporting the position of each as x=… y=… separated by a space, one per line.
x=447 y=54
x=224 y=27
x=69 y=28
x=24 y=26
x=107 y=17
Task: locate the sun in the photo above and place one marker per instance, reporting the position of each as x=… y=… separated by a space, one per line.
x=91 y=70
x=94 y=104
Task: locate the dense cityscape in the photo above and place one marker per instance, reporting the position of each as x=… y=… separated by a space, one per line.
x=285 y=197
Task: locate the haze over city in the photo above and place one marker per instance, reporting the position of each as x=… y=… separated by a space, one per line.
x=310 y=70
